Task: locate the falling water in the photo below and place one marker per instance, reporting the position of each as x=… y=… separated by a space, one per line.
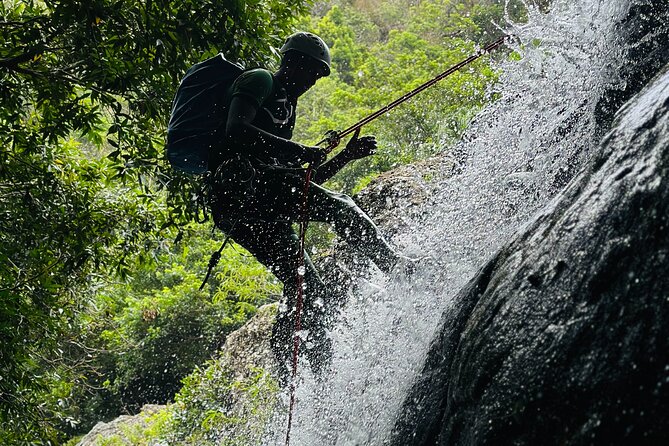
x=517 y=154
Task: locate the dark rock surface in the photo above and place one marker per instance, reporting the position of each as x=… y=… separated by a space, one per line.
x=646 y=33
x=563 y=337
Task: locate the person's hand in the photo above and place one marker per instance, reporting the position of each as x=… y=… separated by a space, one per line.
x=358 y=148
x=313 y=155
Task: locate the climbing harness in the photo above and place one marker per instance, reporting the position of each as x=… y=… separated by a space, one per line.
x=332 y=139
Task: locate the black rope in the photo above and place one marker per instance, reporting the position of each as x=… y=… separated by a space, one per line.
x=216 y=256
x=333 y=137
x=213 y=261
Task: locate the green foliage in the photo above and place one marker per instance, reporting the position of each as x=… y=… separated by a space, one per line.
x=168 y=327
x=148 y=432
x=85 y=90
x=215 y=407
x=146 y=429
x=227 y=401
x=45 y=260
x=147 y=334
x=415 y=41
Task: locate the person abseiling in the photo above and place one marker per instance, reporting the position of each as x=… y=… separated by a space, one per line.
x=259 y=181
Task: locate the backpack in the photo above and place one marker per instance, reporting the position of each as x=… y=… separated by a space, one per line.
x=198 y=112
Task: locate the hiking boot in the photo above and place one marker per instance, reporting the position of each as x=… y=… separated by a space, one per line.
x=318 y=350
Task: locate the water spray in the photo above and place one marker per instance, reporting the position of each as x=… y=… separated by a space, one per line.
x=332 y=139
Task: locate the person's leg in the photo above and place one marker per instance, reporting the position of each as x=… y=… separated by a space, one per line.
x=278 y=201
x=353 y=225
x=283 y=195
x=275 y=245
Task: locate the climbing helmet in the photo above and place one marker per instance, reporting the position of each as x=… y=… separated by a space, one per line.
x=311 y=45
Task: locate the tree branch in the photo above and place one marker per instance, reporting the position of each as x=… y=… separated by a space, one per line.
x=13 y=62
x=35 y=277
x=18 y=24
x=63 y=75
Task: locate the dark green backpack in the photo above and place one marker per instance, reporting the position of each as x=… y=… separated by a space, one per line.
x=198 y=113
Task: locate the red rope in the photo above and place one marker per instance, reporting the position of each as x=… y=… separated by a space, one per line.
x=299 y=303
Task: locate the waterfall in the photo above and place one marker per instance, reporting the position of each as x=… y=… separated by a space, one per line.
x=517 y=154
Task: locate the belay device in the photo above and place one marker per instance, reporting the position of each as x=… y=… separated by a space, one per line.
x=198 y=113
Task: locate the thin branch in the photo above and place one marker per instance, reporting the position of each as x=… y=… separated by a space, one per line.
x=36 y=276
x=63 y=75
x=18 y=24
x=29 y=55
x=13 y=62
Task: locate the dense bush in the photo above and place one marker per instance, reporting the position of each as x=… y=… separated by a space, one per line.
x=147 y=334
x=83 y=82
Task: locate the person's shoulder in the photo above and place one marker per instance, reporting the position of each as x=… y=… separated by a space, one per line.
x=257 y=76
x=257 y=84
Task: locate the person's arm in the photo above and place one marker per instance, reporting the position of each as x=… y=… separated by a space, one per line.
x=241 y=131
x=356 y=148
x=329 y=169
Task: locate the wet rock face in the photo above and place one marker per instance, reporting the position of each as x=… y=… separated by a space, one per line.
x=248 y=348
x=563 y=337
x=396 y=197
x=646 y=31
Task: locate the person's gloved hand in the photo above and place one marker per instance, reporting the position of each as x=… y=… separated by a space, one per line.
x=358 y=148
x=313 y=155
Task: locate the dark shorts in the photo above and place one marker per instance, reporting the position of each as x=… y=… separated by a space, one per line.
x=243 y=191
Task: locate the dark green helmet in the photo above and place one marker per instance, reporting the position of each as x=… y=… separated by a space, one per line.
x=311 y=45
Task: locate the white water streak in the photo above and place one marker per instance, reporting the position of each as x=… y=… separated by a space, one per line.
x=516 y=154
